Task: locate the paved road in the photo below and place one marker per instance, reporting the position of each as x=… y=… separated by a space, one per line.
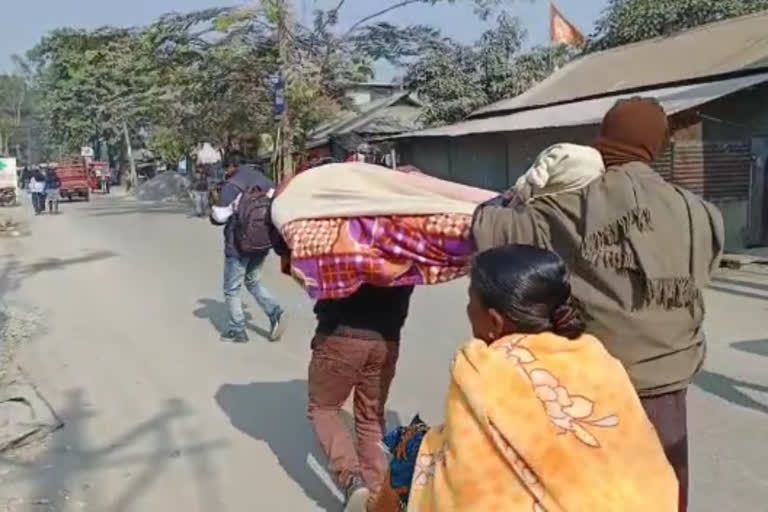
x=162 y=416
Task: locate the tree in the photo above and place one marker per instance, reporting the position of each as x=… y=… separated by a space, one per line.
x=113 y=85
x=629 y=21
x=454 y=79
x=205 y=76
x=316 y=62
x=446 y=79
x=13 y=103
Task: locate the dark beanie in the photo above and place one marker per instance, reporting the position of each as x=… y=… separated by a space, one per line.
x=633 y=130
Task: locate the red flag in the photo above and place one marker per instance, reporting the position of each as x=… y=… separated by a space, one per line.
x=563 y=31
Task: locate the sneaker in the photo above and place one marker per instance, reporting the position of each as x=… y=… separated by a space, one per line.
x=235 y=336
x=357 y=495
x=277 y=325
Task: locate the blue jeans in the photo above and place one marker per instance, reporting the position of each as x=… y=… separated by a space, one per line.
x=248 y=270
x=200 y=200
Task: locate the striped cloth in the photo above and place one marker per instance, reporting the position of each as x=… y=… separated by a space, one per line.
x=354 y=224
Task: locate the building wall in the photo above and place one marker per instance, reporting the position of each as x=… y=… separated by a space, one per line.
x=477 y=160
x=736 y=119
x=493 y=161
x=742 y=115
x=428 y=154
x=523 y=147
x=361 y=94
x=736 y=219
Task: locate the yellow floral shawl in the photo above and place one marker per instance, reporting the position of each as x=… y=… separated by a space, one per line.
x=541 y=423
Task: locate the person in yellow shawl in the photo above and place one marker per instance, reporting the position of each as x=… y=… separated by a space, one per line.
x=539 y=417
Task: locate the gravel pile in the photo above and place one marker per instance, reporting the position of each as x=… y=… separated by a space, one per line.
x=167 y=186
x=25 y=416
x=17 y=325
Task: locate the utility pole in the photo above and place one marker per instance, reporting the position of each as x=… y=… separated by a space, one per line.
x=284 y=135
x=131 y=161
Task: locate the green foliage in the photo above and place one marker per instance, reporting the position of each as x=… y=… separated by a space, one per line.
x=447 y=80
x=168 y=145
x=204 y=76
x=455 y=79
x=13 y=103
x=629 y=21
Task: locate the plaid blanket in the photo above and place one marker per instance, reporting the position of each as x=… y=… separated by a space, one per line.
x=353 y=224
x=332 y=258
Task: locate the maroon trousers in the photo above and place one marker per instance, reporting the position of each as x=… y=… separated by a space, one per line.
x=668 y=413
x=339 y=367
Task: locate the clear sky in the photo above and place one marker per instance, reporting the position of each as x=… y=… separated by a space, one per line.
x=25 y=21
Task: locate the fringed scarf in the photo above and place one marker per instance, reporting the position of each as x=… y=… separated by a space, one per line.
x=632 y=223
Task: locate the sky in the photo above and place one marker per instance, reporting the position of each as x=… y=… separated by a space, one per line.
x=26 y=21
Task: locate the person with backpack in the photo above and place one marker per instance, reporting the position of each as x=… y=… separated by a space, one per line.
x=243 y=208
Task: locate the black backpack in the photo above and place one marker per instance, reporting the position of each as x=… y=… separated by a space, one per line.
x=251 y=228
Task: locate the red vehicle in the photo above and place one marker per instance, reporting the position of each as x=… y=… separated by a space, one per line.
x=74 y=175
x=100 y=177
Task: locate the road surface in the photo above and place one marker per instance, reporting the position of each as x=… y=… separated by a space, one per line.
x=160 y=415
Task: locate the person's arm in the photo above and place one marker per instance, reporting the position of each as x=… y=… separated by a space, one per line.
x=225 y=206
x=718 y=236
x=494 y=225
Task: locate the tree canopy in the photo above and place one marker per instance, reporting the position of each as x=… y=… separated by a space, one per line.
x=455 y=79
x=630 y=21
x=13 y=103
x=207 y=76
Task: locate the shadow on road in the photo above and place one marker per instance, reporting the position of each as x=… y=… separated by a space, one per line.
x=139 y=209
x=746 y=284
x=215 y=311
x=757 y=347
x=275 y=412
x=10 y=280
x=13 y=272
x=728 y=389
x=59 y=263
x=731 y=291
x=61 y=476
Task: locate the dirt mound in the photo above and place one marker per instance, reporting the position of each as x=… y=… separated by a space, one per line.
x=167 y=186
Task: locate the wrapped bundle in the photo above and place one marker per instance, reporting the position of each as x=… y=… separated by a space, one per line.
x=355 y=223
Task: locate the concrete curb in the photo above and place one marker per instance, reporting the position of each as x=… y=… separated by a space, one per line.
x=736 y=261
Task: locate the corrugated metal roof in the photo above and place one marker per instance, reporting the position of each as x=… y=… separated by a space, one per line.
x=717 y=48
x=587 y=112
x=384 y=116
x=394 y=119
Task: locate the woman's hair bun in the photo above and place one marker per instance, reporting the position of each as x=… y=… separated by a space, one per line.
x=567 y=320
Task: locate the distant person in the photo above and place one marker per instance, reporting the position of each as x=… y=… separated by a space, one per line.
x=52 y=191
x=24 y=181
x=37 y=190
x=200 y=190
x=242 y=268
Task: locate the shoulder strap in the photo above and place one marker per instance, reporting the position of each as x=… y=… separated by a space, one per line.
x=236 y=182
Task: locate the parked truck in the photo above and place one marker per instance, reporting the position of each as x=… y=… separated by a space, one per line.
x=75 y=177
